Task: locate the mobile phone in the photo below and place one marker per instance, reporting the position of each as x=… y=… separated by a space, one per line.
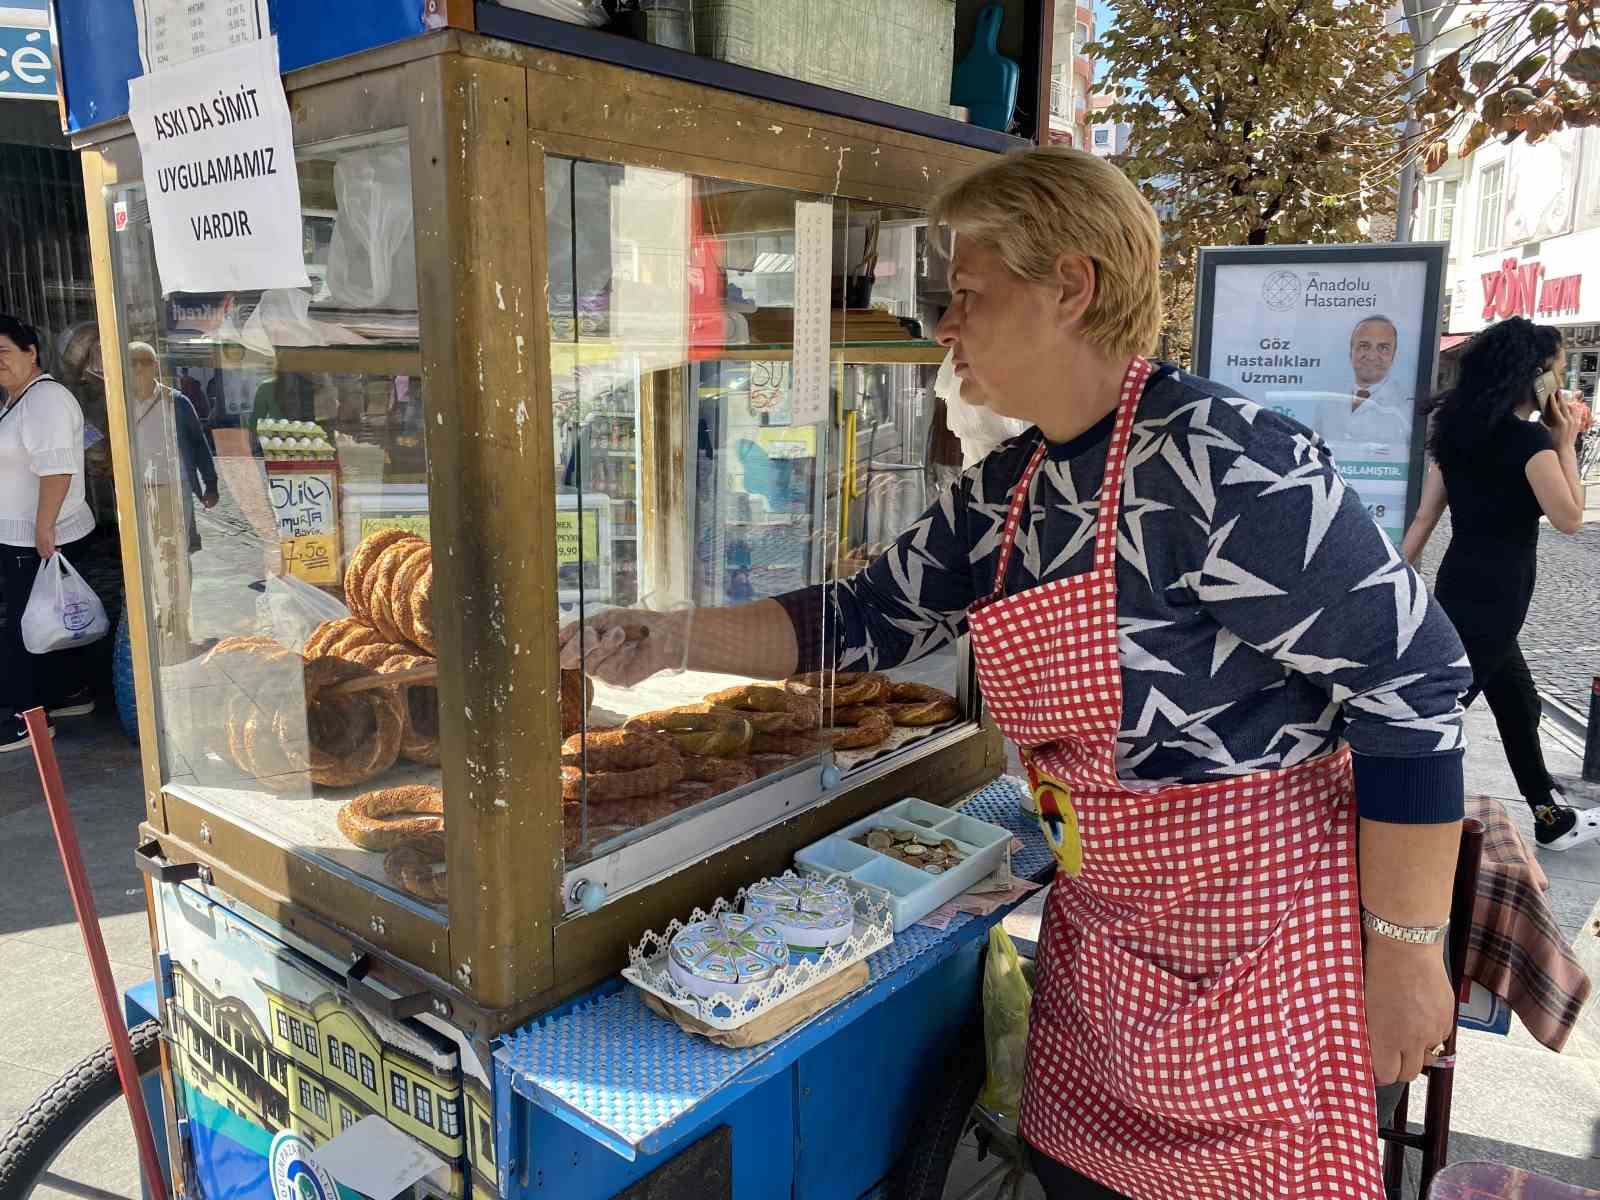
x=1545 y=385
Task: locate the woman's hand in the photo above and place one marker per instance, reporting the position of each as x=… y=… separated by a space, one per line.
x=624 y=647
x=1564 y=423
x=44 y=540
x=1410 y=1006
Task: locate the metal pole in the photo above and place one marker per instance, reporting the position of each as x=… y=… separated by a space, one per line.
x=1417 y=27
x=1591 y=741
x=105 y=987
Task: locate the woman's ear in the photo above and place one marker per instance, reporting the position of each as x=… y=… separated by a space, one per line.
x=1076 y=280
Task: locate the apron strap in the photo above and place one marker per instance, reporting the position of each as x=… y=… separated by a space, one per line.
x=1105 y=544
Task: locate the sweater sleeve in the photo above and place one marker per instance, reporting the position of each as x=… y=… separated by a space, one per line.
x=909 y=601
x=1296 y=568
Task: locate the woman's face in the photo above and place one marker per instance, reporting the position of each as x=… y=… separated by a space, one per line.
x=1558 y=365
x=1001 y=328
x=17 y=365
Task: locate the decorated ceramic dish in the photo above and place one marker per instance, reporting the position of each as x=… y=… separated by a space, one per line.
x=728 y=954
x=811 y=914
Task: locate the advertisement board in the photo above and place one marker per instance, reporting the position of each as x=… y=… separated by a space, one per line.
x=1342 y=339
x=27 y=67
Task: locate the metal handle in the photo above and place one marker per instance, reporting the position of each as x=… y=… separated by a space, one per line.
x=396 y=1008
x=149 y=859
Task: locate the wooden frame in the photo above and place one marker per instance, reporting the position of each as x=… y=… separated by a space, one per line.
x=489 y=113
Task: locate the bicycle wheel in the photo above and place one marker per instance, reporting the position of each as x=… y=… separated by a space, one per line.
x=48 y=1125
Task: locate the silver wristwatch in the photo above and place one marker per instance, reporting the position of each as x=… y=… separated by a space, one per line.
x=1416 y=935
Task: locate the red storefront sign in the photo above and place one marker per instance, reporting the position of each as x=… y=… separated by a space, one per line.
x=1521 y=289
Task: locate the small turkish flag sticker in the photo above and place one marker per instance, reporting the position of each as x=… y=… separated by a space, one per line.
x=119 y=215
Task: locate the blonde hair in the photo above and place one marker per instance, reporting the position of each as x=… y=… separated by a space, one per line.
x=1034 y=205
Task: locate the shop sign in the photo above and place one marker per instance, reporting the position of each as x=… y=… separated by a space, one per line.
x=1520 y=289
x=27 y=72
x=219 y=172
x=306 y=513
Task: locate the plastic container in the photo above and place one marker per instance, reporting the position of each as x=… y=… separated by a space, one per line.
x=898 y=51
x=911 y=893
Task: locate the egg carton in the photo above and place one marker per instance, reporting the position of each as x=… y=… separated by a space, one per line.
x=647 y=961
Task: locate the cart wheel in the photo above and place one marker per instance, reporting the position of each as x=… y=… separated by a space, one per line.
x=52 y=1121
x=122 y=679
x=922 y=1170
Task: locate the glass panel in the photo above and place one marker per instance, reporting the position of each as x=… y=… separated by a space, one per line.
x=278 y=447
x=687 y=474
x=898 y=459
x=744 y=409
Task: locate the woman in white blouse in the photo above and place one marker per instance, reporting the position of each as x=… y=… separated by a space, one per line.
x=42 y=511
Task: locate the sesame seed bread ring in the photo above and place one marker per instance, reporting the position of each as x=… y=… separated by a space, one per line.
x=388 y=817
x=366 y=554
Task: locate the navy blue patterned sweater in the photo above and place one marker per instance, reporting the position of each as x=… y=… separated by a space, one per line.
x=1262 y=615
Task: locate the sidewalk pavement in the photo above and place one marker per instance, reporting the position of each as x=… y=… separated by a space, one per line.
x=1515 y=1102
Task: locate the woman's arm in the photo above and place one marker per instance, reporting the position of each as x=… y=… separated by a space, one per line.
x=909 y=601
x=1429 y=510
x=52 y=494
x=1409 y=999
x=1553 y=475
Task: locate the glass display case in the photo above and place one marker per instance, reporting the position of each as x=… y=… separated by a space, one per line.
x=698 y=381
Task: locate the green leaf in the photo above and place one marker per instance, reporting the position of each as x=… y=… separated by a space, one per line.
x=1583 y=64
x=1531 y=66
x=1543 y=23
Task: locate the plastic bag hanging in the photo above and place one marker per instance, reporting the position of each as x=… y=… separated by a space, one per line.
x=62 y=611
x=1006 y=997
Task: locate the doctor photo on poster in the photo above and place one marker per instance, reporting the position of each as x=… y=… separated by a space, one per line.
x=1379 y=406
x=1339 y=338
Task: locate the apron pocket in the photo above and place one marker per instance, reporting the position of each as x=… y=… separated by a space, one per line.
x=1188 y=1050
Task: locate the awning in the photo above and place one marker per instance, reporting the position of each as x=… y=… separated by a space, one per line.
x=1449 y=341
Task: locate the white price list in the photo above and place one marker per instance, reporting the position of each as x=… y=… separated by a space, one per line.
x=174 y=31
x=813 y=266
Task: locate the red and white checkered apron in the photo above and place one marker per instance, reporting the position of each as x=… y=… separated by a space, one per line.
x=1198 y=1028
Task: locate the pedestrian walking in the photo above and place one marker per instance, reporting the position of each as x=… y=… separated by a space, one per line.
x=1498 y=470
x=42 y=512
x=1189 y=626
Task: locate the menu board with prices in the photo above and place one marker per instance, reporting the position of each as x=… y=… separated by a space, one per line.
x=174 y=31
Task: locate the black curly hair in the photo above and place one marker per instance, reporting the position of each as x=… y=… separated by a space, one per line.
x=1498 y=368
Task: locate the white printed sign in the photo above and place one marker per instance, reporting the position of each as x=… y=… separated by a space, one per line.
x=174 y=31
x=219 y=172
x=813 y=261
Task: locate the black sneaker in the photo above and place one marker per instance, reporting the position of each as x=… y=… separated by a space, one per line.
x=1557 y=827
x=14 y=735
x=79 y=704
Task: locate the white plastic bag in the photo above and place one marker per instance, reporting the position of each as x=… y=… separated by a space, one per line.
x=978 y=429
x=63 y=612
x=372 y=260
x=295 y=609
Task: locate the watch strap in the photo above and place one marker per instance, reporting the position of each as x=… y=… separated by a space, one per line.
x=1416 y=935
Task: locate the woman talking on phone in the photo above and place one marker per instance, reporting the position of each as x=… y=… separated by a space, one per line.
x=1499 y=471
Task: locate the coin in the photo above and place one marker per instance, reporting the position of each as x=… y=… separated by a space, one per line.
x=914 y=850
x=948 y=846
x=934 y=869
x=879 y=840
x=902 y=835
x=935 y=856
x=925 y=841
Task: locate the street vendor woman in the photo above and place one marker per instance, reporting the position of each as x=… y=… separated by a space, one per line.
x=1224 y=681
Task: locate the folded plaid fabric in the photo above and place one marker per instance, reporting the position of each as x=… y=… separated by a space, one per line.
x=1517 y=949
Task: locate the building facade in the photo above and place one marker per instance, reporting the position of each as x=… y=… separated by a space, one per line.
x=1523 y=224
x=1106 y=138
x=1071 y=74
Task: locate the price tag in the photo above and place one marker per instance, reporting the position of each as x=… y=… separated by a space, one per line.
x=313 y=558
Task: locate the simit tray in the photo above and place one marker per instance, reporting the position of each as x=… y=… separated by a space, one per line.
x=911 y=893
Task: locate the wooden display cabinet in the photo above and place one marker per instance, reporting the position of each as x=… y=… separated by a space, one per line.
x=479 y=120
